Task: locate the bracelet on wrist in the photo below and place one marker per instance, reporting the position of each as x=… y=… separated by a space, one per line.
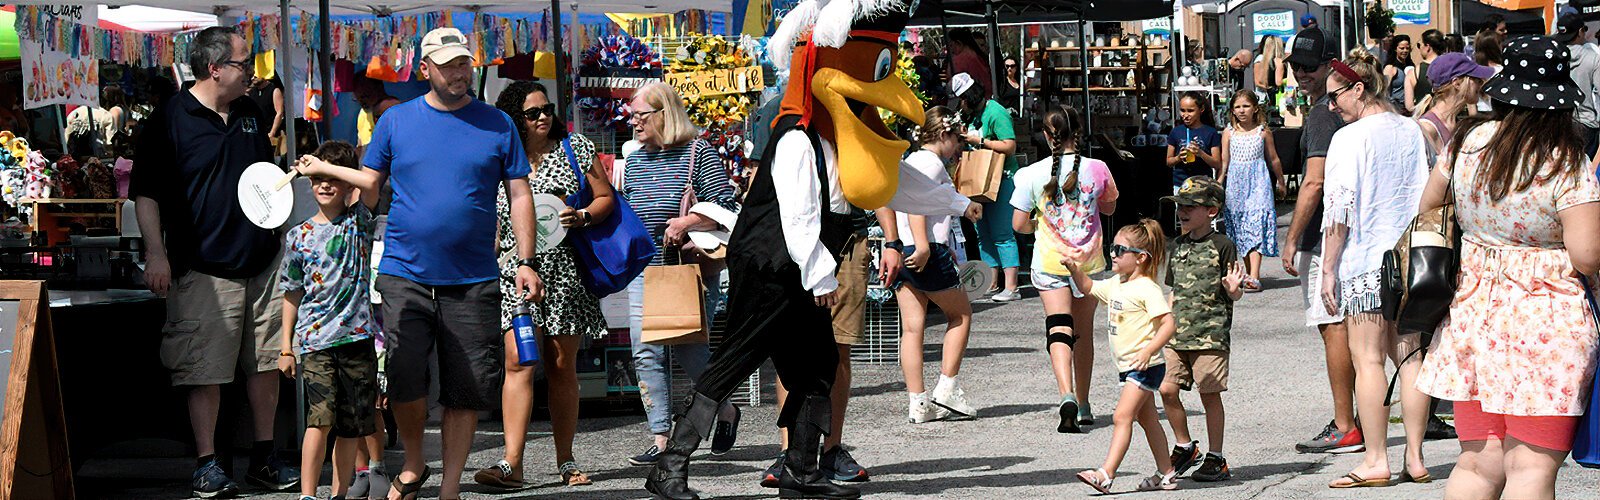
x=285 y=354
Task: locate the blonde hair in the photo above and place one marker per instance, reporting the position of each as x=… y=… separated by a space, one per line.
x=1272 y=49
x=940 y=121
x=1146 y=235
x=1366 y=67
x=675 y=129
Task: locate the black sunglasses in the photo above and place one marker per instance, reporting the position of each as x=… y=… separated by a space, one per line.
x=534 y=113
x=1335 y=94
x=1118 y=250
x=1303 y=68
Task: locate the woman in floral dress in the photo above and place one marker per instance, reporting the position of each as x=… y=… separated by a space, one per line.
x=1517 y=352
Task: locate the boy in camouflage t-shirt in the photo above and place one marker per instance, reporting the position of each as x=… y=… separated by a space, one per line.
x=1204 y=277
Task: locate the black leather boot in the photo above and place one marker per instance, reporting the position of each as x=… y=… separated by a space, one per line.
x=670 y=478
x=801 y=476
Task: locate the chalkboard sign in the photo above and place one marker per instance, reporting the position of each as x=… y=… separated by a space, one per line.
x=33 y=432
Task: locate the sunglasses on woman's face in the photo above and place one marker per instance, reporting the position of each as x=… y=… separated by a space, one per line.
x=1118 y=250
x=533 y=114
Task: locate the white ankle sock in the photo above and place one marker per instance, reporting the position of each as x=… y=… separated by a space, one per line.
x=944 y=382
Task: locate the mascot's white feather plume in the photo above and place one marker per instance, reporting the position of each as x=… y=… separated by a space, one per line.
x=828 y=20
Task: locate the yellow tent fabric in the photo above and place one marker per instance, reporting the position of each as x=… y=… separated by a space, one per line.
x=755 y=18
x=266 y=65
x=364 y=124
x=646 y=23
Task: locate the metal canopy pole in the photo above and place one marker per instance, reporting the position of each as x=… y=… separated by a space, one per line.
x=563 y=87
x=325 y=63
x=993 y=48
x=286 y=72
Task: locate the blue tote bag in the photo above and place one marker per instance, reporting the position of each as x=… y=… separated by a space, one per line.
x=613 y=251
x=1586 y=442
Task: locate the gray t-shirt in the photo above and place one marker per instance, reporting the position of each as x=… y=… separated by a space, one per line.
x=1315 y=136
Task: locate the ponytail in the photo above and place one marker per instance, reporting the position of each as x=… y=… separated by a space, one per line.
x=1062 y=128
x=1147 y=235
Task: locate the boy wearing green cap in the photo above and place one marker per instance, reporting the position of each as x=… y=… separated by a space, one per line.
x=1204 y=277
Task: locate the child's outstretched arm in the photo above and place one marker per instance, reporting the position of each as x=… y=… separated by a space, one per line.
x=1231 y=283
x=1073 y=259
x=291 y=310
x=367 y=180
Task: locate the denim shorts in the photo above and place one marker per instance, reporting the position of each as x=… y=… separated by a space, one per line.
x=1148 y=379
x=937 y=275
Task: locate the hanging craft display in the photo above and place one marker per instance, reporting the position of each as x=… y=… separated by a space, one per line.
x=717 y=79
x=608 y=75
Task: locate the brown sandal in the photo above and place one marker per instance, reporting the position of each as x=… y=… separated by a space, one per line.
x=1360 y=482
x=572 y=476
x=499 y=475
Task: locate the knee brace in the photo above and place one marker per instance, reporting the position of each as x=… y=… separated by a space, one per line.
x=1050 y=337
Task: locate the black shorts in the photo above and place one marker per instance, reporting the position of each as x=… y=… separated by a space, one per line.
x=459 y=322
x=342 y=388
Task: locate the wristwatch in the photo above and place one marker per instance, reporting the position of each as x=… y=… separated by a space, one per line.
x=583 y=215
x=528 y=263
x=895 y=245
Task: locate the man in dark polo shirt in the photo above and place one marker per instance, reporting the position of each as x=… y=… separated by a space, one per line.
x=217 y=269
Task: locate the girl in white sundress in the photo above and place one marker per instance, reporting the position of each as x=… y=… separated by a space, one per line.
x=1247 y=155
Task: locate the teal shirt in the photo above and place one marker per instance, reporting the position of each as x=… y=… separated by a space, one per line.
x=995 y=125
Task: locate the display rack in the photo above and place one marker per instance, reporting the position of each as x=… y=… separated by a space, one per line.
x=1123 y=80
x=47 y=218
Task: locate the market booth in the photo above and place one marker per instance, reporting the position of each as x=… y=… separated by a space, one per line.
x=67 y=223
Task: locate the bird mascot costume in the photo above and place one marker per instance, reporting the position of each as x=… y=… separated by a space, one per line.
x=830 y=151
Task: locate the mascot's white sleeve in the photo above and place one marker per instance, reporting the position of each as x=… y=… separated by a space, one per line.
x=794 y=178
x=926 y=189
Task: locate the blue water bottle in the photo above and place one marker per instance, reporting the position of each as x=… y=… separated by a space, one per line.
x=527 y=343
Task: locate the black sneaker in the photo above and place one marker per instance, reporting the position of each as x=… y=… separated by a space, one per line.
x=1184 y=457
x=649 y=457
x=1438 y=429
x=838 y=465
x=1069 y=417
x=770 y=477
x=210 y=482
x=274 y=475
x=725 y=434
x=1212 y=468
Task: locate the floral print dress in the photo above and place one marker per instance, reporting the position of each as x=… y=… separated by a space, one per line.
x=1521 y=338
x=568 y=308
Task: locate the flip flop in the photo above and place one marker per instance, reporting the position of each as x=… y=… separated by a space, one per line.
x=1406 y=477
x=411 y=490
x=1094 y=479
x=1360 y=482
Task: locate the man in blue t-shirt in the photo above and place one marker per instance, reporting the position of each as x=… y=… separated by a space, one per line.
x=445 y=155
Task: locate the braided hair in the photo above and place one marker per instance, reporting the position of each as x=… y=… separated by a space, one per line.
x=1063 y=130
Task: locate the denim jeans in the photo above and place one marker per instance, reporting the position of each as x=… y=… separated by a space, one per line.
x=650 y=360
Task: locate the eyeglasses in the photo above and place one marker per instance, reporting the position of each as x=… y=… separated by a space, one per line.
x=640 y=116
x=1334 y=95
x=535 y=113
x=1118 y=250
x=243 y=65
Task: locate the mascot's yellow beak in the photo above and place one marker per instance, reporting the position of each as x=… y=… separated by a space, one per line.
x=868 y=153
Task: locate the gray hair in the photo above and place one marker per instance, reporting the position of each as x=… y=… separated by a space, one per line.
x=212 y=46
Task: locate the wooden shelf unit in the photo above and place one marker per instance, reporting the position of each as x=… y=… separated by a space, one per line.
x=47 y=220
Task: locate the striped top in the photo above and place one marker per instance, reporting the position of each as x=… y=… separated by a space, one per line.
x=654 y=182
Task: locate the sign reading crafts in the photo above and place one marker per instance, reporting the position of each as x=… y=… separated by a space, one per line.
x=1410 y=11
x=1278 y=23
x=716 y=81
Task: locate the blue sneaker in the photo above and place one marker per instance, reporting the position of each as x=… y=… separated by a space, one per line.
x=210 y=482
x=837 y=464
x=275 y=475
x=649 y=457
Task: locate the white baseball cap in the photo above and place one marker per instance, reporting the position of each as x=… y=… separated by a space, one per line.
x=444 y=45
x=961 y=83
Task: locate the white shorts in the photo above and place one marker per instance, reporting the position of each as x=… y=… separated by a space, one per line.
x=1310 y=267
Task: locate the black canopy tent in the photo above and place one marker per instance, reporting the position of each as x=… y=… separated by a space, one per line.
x=1475 y=16
x=931 y=13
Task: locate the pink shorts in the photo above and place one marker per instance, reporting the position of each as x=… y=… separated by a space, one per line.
x=1473 y=424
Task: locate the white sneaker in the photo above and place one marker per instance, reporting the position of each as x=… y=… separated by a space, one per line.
x=1006 y=296
x=921 y=411
x=949 y=396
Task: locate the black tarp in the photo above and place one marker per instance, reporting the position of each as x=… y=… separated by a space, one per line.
x=1474 y=17
x=927 y=12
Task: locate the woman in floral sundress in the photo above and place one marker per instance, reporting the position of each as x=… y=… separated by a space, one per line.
x=568 y=312
x=1518 y=351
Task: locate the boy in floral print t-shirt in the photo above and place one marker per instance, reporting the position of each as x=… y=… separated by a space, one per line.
x=327 y=311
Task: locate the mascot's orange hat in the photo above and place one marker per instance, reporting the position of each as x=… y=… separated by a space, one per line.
x=840 y=73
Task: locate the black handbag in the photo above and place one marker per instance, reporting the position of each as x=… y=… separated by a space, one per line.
x=1419 y=274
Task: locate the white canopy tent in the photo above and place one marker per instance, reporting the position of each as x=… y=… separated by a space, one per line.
x=154 y=19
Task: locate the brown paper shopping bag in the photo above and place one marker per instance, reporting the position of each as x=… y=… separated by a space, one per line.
x=978 y=175
x=674 y=308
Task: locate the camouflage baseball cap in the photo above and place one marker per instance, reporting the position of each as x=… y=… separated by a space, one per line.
x=1199 y=191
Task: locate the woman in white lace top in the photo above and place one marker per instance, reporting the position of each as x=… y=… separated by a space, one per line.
x=1376 y=170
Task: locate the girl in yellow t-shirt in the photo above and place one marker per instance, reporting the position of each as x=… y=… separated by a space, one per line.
x=1141 y=323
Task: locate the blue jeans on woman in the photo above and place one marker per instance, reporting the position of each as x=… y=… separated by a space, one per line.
x=650 y=360
x=997 y=245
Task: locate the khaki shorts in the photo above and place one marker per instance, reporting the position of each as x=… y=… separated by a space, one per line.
x=850 y=314
x=1202 y=371
x=217 y=327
